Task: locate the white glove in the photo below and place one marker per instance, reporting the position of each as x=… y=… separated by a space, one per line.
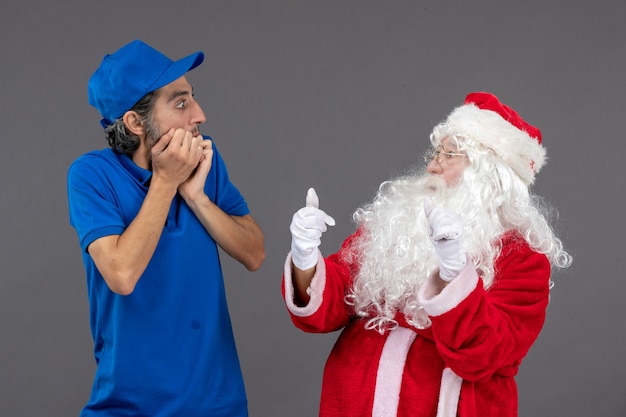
x=446 y=232
x=307 y=226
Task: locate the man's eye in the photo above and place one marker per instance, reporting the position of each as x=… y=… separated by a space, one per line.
x=182 y=104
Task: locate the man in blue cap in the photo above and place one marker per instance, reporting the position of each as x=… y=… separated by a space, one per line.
x=150 y=213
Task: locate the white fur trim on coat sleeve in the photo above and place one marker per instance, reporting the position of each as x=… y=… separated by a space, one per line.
x=315 y=290
x=436 y=303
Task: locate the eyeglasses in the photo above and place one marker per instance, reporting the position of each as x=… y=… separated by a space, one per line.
x=439 y=154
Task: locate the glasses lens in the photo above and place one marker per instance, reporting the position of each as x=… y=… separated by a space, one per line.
x=438 y=153
x=432 y=153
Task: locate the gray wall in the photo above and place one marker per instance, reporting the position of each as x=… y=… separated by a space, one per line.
x=339 y=95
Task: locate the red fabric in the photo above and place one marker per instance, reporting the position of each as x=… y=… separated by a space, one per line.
x=483 y=339
x=488 y=101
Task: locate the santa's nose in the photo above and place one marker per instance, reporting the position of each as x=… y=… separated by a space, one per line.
x=433 y=167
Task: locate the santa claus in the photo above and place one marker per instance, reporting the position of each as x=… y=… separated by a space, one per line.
x=443 y=288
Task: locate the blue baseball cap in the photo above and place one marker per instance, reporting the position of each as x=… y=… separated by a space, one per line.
x=128 y=74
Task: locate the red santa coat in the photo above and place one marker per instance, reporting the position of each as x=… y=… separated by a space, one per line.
x=463 y=365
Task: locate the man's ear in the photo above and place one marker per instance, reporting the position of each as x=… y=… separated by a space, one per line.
x=134 y=123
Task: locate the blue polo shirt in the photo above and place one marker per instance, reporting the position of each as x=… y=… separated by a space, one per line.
x=168 y=348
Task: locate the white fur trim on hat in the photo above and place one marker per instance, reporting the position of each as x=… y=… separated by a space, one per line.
x=523 y=153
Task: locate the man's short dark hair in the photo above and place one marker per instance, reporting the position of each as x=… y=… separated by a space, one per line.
x=120 y=139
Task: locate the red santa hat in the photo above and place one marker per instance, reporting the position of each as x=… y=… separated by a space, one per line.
x=484 y=119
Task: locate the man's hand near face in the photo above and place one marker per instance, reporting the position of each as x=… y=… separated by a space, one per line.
x=193 y=187
x=176 y=155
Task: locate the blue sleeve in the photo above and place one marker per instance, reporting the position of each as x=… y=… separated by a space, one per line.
x=223 y=192
x=92 y=204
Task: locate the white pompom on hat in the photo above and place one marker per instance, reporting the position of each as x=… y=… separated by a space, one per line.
x=484 y=119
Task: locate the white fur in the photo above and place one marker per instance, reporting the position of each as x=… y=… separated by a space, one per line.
x=521 y=152
x=396 y=256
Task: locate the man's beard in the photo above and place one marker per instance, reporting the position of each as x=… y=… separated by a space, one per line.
x=153 y=134
x=394 y=251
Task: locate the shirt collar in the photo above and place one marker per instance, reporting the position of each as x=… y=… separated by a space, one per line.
x=142 y=176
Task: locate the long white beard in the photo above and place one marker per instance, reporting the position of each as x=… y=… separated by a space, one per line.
x=395 y=252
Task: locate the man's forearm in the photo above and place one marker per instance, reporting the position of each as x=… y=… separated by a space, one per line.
x=122 y=259
x=239 y=236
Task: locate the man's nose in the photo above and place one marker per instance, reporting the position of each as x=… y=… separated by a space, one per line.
x=198 y=116
x=433 y=167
